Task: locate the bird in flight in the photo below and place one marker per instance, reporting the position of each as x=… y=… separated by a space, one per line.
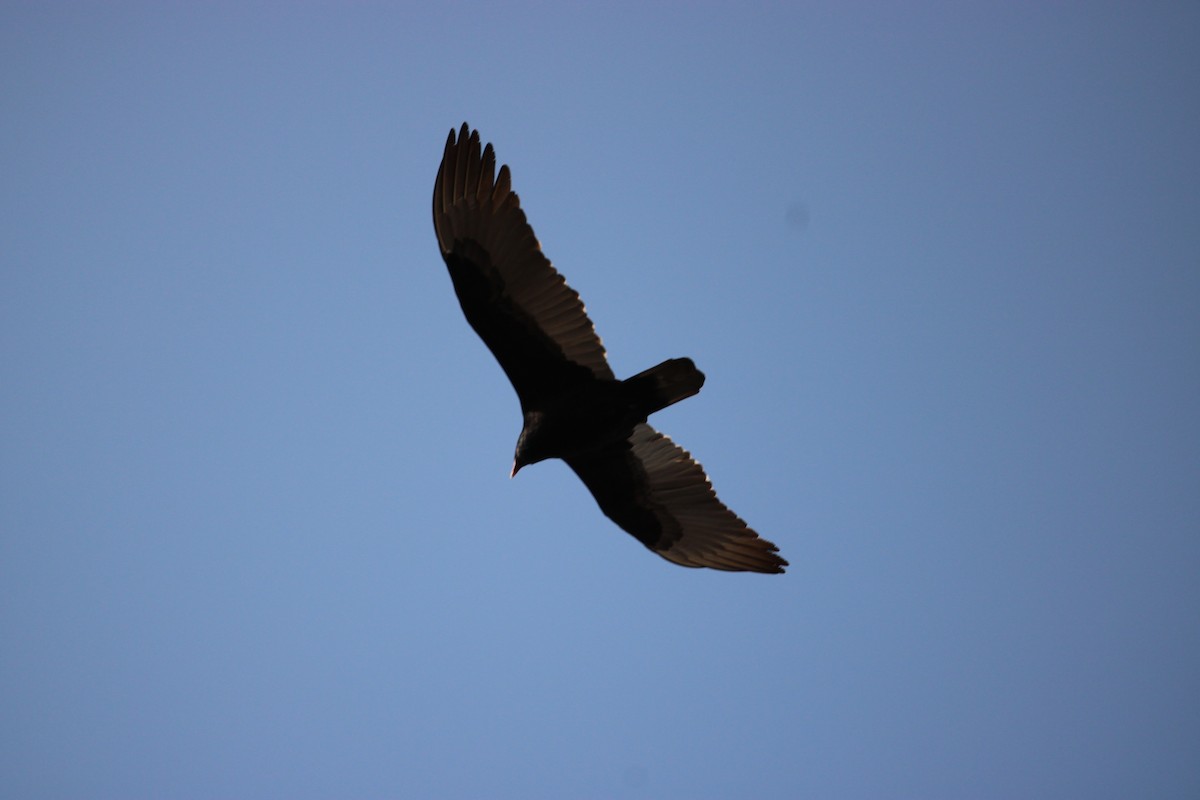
x=573 y=406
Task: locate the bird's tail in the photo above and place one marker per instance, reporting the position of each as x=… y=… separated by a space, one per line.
x=671 y=381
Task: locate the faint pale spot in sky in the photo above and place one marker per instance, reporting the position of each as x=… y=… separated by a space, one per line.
x=797 y=215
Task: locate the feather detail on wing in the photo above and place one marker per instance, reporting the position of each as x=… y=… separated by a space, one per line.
x=523 y=309
x=655 y=491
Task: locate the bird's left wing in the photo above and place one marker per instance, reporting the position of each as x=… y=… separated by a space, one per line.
x=527 y=315
x=653 y=489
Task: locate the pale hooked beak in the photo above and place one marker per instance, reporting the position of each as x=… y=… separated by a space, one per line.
x=514 y=472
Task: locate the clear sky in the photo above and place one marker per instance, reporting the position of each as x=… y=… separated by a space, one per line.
x=940 y=264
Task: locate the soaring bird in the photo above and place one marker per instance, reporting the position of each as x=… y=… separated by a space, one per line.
x=572 y=405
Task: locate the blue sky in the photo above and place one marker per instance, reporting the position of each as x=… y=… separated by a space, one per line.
x=940 y=264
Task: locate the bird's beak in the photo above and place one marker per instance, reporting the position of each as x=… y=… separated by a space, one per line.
x=516 y=468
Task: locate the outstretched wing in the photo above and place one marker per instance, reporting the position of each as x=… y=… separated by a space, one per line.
x=512 y=296
x=653 y=489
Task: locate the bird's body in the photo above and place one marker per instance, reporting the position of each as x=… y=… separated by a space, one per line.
x=594 y=413
x=573 y=407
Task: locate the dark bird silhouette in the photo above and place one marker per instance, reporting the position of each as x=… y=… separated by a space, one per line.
x=574 y=408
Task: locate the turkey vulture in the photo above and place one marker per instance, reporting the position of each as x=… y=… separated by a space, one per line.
x=574 y=408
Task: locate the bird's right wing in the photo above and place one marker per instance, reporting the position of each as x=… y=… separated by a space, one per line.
x=512 y=296
x=653 y=489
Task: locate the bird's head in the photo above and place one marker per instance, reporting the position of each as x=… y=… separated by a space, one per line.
x=520 y=457
x=529 y=444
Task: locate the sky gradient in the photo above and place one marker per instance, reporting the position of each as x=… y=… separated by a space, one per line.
x=941 y=267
